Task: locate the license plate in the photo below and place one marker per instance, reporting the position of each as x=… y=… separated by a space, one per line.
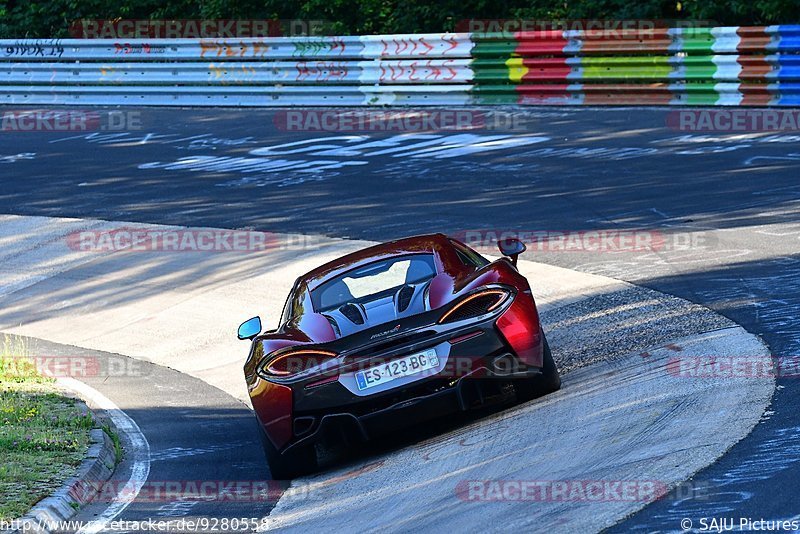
x=410 y=365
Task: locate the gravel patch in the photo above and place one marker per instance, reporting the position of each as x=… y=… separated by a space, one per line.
x=622 y=322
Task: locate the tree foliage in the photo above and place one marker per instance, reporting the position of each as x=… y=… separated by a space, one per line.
x=52 y=18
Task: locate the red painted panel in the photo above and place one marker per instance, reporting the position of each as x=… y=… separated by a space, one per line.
x=655 y=40
x=753 y=39
x=546 y=69
x=755 y=94
x=754 y=68
x=540 y=43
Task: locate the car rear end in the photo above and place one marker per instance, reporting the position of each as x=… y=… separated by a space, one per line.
x=413 y=369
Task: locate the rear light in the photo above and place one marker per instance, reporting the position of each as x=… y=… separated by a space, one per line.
x=465 y=337
x=476 y=305
x=295 y=361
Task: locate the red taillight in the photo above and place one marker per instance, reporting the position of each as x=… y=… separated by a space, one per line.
x=296 y=361
x=476 y=304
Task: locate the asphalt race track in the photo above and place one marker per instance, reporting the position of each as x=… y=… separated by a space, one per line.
x=736 y=194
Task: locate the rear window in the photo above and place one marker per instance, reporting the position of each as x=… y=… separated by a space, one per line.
x=373 y=281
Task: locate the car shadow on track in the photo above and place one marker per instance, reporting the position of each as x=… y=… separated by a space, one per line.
x=358 y=453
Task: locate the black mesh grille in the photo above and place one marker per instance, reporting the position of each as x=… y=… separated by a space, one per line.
x=352 y=312
x=404 y=298
x=473 y=308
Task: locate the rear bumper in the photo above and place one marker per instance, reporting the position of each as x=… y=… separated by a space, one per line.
x=468 y=392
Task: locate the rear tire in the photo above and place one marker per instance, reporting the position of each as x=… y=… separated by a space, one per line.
x=297 y=462
x=547 y=382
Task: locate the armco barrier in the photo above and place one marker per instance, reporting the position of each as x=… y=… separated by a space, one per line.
x=689 y=66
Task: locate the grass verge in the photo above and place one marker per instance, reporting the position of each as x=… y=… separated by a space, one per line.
x=43 y=435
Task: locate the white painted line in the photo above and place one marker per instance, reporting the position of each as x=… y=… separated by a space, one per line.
x=140 y=453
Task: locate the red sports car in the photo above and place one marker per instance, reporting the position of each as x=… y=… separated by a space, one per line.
x=391 y=335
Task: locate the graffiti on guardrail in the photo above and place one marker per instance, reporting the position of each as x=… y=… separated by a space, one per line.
x=321 y=71
x=107 y=71
x=623 y=62
x=232 y=49
x=418 y=71
x=143 y=48
x=320 y=46
x=231 y=73
x=38 y=48
x=401 y=46
x=416 y=46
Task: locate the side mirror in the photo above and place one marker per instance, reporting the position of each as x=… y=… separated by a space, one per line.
x=250 y=328
x=511 y=247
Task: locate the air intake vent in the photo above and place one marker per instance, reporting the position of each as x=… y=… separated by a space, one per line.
x=352 y=312
x=404 y=298
x=473 y=308
x=334 y=325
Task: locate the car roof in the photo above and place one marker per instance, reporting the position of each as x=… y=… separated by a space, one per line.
x=430 y=243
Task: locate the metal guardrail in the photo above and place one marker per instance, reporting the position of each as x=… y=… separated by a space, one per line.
x=432 y=71
x=683 y=66
x=690 y=66
x=422 y=46
x=306 y=95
